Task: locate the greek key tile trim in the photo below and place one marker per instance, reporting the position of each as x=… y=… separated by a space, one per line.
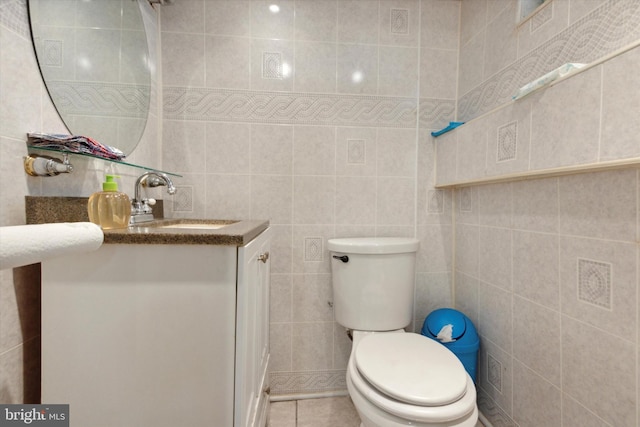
x=612 y=26
x=287 y=108
x=307 y=382
x=102 y=99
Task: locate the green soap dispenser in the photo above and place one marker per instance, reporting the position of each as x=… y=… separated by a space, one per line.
x=109 y=208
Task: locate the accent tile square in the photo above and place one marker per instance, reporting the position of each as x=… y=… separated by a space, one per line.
x=542 y=17
x=507 y=142
x=435 y=201
x=53 y=53
x=594 y=282
x=272 y=65
x=399 y=21
x=494 y=370
x=313 y=249
x=183 y=199
x=465 y=199
x=356 y=151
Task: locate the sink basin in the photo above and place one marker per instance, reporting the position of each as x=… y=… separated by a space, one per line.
x=195 y=226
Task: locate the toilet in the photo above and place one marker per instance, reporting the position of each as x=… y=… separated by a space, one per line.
x=394 y=378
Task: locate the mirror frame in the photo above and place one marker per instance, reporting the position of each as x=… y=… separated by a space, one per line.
x=113 y=110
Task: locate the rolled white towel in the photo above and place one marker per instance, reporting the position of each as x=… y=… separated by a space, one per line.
x=29 y=244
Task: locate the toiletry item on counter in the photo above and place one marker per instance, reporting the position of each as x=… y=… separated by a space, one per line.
x=110 y=208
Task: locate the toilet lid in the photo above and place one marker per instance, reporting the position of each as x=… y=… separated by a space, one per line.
x=411 y=368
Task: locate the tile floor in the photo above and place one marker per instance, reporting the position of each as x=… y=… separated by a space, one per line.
x=325 y=412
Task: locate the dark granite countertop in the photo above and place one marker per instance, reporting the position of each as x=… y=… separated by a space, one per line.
x=159 y=232
x=41 y=210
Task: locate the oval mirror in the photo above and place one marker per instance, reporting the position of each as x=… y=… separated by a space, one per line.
x=94 y=59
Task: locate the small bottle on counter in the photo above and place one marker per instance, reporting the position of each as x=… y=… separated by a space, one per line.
x=109 y=208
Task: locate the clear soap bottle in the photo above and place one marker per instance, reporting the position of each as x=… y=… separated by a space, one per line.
x=109 y=208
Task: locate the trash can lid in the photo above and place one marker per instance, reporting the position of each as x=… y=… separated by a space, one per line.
x=447 y=316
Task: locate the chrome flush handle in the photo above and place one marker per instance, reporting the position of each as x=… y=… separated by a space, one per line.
x=263 y=257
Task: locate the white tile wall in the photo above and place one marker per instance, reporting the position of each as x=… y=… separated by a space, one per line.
x=619 y=129
x=556 y=295
x=551 y=44
x=308 y=117
x=582 y=120
x=548 y=268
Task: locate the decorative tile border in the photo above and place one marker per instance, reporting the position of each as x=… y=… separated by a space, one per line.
x=13 y=15
x=102 y=99
x=307 y=382
x=608 y=28
x=492 y=411
x=181 y=103
x=436 y=113
x=205 y=104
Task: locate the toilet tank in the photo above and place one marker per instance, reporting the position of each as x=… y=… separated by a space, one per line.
x=373 y=281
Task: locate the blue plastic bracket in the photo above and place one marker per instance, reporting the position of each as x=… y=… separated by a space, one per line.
x=452 y=126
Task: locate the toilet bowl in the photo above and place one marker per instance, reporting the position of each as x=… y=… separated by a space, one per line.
x=394 y=378
x=405 y=379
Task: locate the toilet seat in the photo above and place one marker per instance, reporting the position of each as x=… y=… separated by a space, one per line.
x=411 y=368
x=458 y=409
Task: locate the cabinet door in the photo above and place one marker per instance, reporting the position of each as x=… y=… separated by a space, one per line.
x=141 y=335
x=252 y=333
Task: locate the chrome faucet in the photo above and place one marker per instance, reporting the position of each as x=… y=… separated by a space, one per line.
x=141 y=208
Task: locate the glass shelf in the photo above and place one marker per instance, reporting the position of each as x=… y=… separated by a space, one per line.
x=118 y=162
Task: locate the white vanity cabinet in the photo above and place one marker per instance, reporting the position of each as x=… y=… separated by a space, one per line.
x=252 y=341
x=155 y=335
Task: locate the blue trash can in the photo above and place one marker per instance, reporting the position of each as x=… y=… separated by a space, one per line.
x=465 y=344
